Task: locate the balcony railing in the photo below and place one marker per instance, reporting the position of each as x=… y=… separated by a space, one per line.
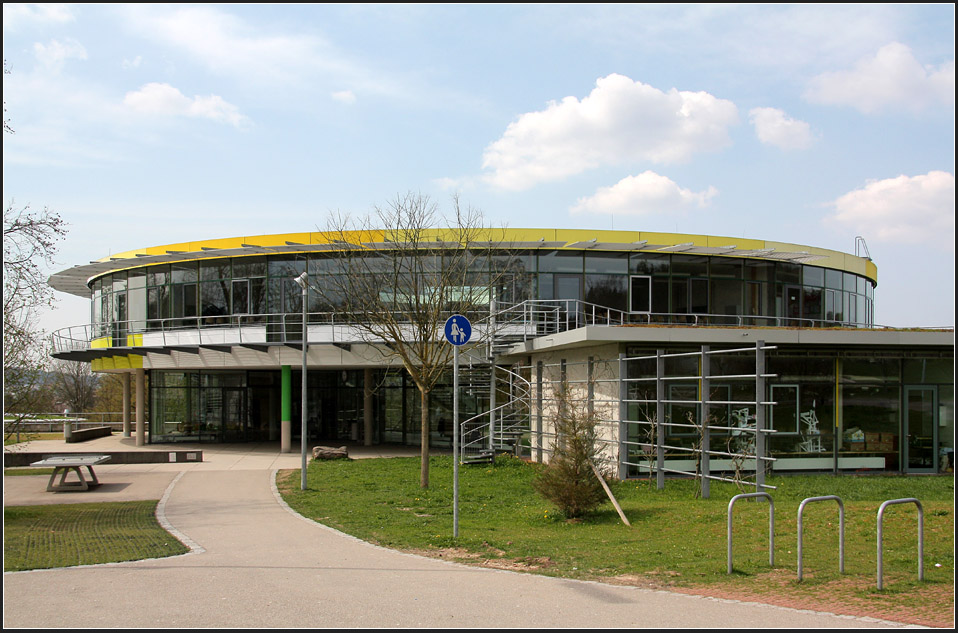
x=519 y=322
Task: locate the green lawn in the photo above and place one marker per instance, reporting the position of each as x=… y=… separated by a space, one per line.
x=30 y=437
x=41 y=537
x=23 y=472
x=675 y=541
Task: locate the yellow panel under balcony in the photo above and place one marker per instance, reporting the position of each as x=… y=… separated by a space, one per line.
x=129 y=361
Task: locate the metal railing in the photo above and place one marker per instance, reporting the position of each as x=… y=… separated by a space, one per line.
x=771 y=525
x=519 y=322
x=26 y=424
x=502 y=426
x=227 y=329
x=921 y=536
x=841 y=531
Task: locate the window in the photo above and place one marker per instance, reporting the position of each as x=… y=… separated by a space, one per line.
x=609 y=291
x=784 y=413
x=641 y=295
x=240 y=298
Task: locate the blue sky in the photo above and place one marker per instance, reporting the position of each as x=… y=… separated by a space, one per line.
x=813 y=124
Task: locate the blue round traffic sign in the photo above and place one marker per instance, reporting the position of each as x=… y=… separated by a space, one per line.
x=458 y=329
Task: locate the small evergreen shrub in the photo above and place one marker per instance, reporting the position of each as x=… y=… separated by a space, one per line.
x=568 y=480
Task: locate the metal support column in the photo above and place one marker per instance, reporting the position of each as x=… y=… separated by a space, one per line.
x=140 y=407
x=539 y=412
x=660 y=419
x=368 y=407
x=492 y=405
x=286 y=409
x=760 y=414
x=704 y=420
x=623 y=414
x=125 y=380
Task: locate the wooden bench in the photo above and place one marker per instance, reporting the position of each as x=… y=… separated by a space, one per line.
x=63 y=464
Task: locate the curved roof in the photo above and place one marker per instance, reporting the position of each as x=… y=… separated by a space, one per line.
x=76 y=280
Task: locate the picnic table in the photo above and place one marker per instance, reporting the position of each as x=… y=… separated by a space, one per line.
x=62 y=465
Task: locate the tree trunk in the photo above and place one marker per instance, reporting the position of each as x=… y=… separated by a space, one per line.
x=424 y=452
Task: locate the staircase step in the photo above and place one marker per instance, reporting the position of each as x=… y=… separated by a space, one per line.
x=485 y=457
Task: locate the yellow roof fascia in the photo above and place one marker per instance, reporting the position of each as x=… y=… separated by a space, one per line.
x=832 y=259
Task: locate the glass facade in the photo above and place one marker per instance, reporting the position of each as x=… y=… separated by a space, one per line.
x=831 y=410
x=244 y=406
x=653 y=287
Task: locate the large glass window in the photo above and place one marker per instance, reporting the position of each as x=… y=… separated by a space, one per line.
x=726 y=296
x=650 y=264
x=641 y=294
x=699 y=296
x=660 y=283
x=813 y=276
x=184 y=272
x=184 y=304
x=726 y=267
x=660 y=294
x=215 y=301
x=608 y=263
x=690 y=266
x=249 y=267
x=812 y=304
x=560 y=262
x=610 y=291
x=215 y=269
x=871 y=413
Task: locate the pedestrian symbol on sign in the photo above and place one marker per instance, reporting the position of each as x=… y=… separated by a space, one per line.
x=458 y=330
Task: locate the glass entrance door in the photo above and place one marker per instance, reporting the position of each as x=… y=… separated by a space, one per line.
x=793 y=305
x=235 y=419
x=641 y=295
x=921 y=429
x=569 y=289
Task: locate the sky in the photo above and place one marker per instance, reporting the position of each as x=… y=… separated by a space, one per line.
x=144 y=125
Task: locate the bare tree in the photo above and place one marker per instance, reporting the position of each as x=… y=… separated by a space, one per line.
x=75 y=385
x=29 y=242
x=6 y=122
x=399 y=273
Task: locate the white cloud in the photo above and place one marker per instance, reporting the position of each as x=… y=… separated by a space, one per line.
x=165 y=100
x=893 y=78
x=621 y=121
x=646 y=194
x=17 y=14
x=228 y=44
x=906 y=209
x=53 y=55
x=774 y=127
x=127 y=64
x=344 y=96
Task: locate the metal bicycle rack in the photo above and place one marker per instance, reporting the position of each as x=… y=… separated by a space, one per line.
x=841 y=531
x=771 y=525
x=921 y=536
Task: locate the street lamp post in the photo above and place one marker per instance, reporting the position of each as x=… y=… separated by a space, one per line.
x=302 y=280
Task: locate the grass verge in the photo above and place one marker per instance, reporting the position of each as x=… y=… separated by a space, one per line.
x=13 y=438
x=676 y=542
x=42 y=537
x=23 y=472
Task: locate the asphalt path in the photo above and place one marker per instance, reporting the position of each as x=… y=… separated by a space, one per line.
x=254 y=563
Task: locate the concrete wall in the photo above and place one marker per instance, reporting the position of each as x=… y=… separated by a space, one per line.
x=582 y=393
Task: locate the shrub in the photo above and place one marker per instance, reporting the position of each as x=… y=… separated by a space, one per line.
x=568 y=480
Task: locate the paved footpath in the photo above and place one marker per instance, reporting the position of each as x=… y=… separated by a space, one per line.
x=255 y=564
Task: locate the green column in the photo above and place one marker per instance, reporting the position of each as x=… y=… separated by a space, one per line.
x=286 y=391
